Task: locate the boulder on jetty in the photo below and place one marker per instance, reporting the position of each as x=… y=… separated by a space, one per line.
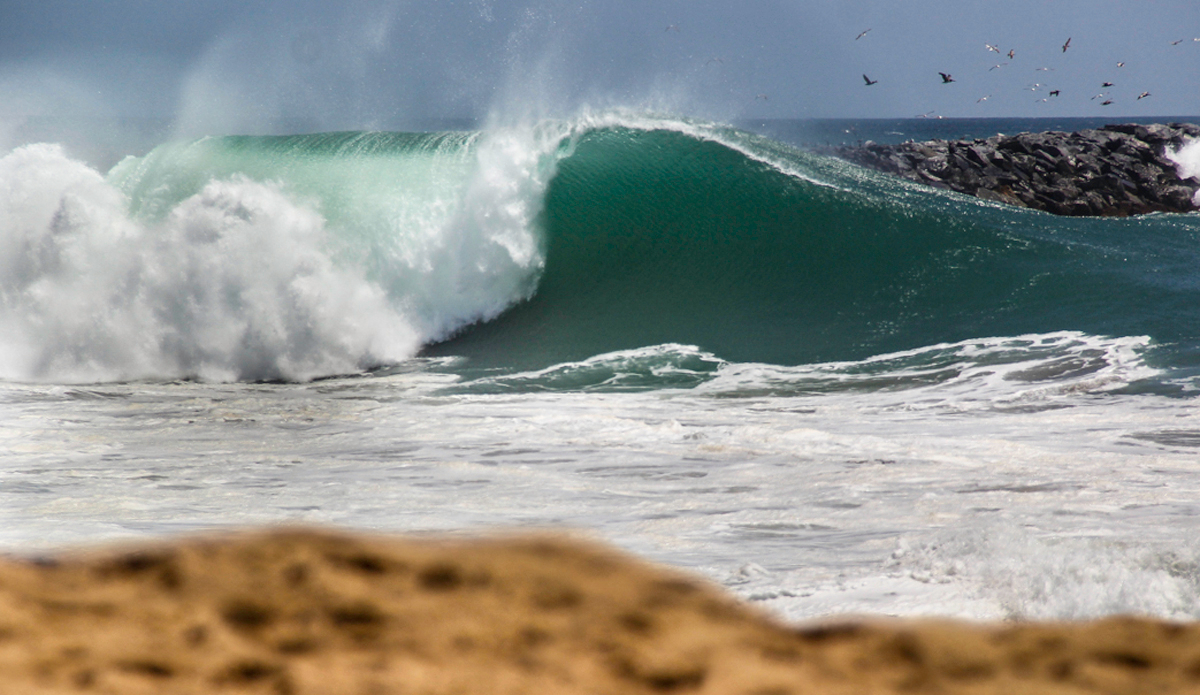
x=1117 y=170
x=309 y=612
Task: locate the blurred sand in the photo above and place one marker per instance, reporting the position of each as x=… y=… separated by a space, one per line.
x=306 y=611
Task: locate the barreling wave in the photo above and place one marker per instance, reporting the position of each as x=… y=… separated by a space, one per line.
x=532 y=250
x=760 y=253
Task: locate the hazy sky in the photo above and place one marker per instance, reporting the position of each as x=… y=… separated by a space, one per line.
x=255 y=65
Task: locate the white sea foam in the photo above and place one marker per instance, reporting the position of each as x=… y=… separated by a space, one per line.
x=234 y=283
x=1187 y=163
x=222 y=264
x=986 y=373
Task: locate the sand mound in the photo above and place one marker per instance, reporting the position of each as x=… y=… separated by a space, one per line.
x=303 y=611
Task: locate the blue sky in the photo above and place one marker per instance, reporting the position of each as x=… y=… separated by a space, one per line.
x=257 y=66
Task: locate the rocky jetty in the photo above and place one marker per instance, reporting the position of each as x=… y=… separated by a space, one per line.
x=1116 y=170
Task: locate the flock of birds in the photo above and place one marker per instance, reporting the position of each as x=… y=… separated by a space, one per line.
x=947 y=78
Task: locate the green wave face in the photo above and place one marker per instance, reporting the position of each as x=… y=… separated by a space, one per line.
x=758 y=253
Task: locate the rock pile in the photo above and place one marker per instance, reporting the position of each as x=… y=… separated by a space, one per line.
x=1116 y=170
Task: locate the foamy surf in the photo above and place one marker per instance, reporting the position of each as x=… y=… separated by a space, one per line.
x=219 y=261
x=235 y=282
x=1187 y=162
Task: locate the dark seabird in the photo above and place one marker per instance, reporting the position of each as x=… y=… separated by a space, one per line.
x=1107 y=84
x=1066 y=45
x=946 y=78
x=1176 y=43
x=1054 y=92
x=1143 y=95
x=864 y=33
x=868 y=80
x=1106 y=102
x=1011 y=53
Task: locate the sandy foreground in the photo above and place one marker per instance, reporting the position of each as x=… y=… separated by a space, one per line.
x=313 y=611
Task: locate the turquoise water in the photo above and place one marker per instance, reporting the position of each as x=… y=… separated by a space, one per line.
x=520 y=250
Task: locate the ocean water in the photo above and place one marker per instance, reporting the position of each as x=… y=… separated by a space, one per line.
x=829 y=390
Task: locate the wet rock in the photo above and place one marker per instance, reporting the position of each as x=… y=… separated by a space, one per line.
x=1116 y=170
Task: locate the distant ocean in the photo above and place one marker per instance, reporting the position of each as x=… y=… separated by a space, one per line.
x=827 y=389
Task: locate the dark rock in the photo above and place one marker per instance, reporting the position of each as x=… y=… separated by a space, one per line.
x=1119 y=169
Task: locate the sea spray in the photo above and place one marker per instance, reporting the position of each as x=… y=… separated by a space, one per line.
x=289 y=257
x=1187 y=162
x=233 y=283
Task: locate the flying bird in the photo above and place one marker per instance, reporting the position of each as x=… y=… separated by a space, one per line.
x=672 y=27
x=1066 y=45
x=1121 y=64
x=1045 y=69
x=714 y=60
x=1143 y=95
x=761 y=96
x=982 y=99
x=990 y=47
x=1011 y=53
x=1176 y=43
x=1107 y=84
x=946 y=79
x=997 y=65
x=1106 y=102
x=1099 y=96
x=868 y=80
x=861 y=34
x=1054 y=92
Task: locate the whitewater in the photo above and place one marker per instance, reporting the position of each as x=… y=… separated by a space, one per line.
x=825 y=389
